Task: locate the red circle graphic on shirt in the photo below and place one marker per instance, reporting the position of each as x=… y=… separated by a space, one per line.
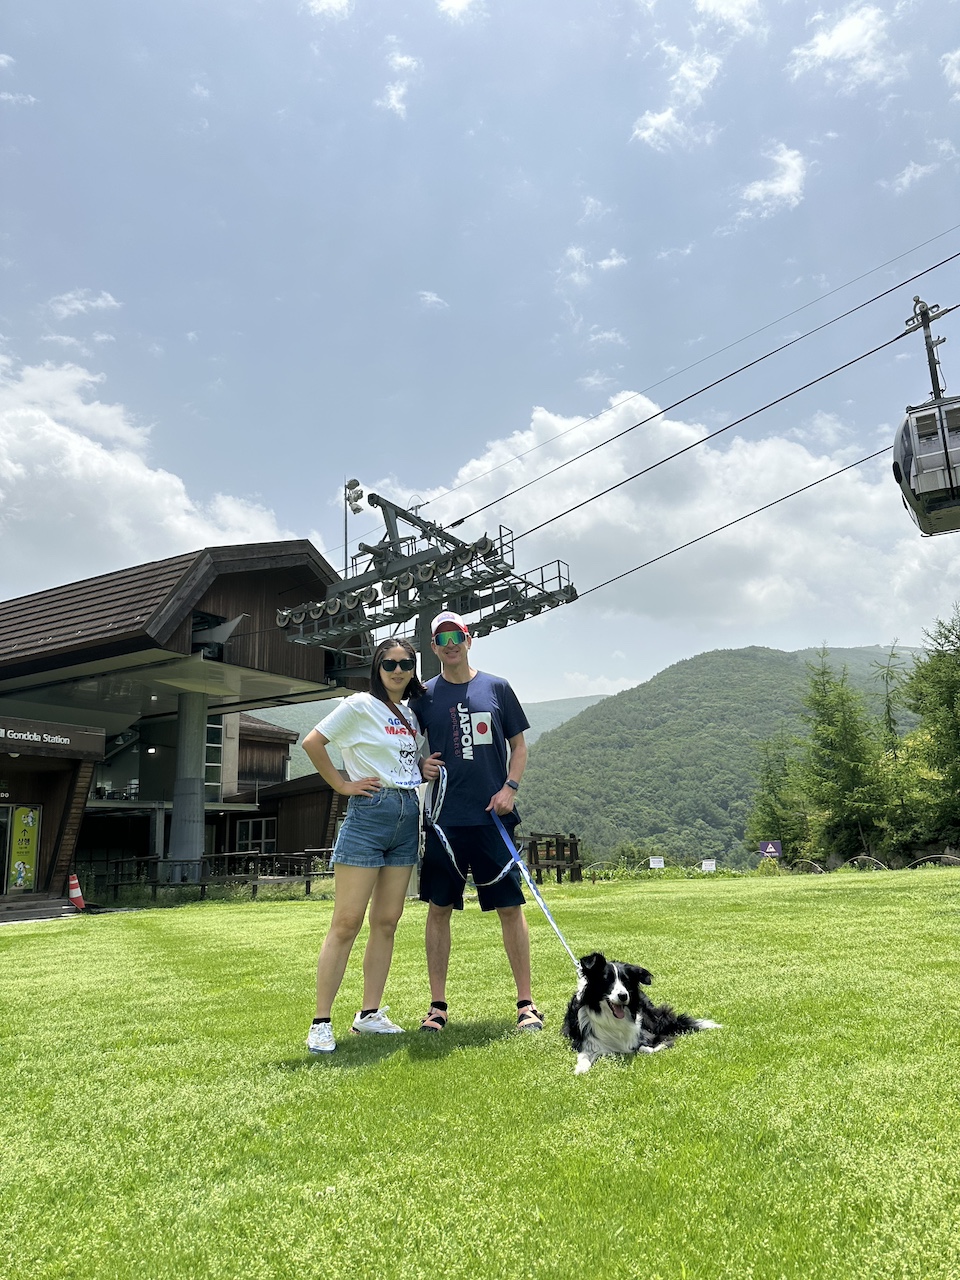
x=482 y=728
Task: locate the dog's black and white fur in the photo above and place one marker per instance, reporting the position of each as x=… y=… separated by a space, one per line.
x=609 y=1013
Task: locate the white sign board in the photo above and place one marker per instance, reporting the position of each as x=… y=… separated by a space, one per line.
x=656 y=864
x=708 y=864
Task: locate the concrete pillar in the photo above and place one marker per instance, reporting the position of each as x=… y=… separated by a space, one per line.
x=186 y=820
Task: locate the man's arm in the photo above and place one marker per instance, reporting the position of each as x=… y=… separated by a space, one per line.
x=503 y=801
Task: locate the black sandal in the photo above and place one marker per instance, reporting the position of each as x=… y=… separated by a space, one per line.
x=529 y=1017
x=435 y=1020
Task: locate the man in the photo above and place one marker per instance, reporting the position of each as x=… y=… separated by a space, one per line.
x=471 y=718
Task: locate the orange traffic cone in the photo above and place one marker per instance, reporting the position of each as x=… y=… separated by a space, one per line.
x=75 y=896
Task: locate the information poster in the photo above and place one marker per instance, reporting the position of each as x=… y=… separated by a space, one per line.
x=656 y=864
x=24 y=845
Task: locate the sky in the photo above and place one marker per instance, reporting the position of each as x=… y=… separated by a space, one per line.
x=250 y=250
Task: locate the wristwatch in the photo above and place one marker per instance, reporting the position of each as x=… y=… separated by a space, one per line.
x=514 y=786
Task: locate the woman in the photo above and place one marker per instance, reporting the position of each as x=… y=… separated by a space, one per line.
x=380 y=836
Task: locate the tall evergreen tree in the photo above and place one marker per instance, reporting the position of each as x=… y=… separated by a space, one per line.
x=933 y=691
x=840 y=766
x=779 y=804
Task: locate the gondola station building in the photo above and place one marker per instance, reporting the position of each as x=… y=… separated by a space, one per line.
x=125 y=722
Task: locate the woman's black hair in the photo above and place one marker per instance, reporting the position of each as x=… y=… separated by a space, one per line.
x=414 y=689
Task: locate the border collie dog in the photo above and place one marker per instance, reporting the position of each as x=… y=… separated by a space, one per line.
x=609 y=1013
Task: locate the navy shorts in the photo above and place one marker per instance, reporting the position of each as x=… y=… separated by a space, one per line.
x=480 y=852
x=382 y=830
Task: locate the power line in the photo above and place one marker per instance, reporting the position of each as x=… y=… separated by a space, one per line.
x=730 y=523
x=693 y=394
x=713 y=434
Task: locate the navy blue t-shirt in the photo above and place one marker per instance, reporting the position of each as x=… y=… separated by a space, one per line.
x=469 y=724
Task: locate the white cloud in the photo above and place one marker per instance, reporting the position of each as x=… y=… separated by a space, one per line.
x=432 y=301
x=394 y=99
x=665 y=255
x=613 y=260
x=6 y=61
x=951 y=70
x=65 y=340
x=81 y=301
x=77 y=495
x=908 y=176
x=782 y=190
x=734 y=13
x=607 y=335
x=328 y=8
x=663 y=129
x=103 y=337
x=199 y=90
x=456 y=8
x=694 y=75
x=403 y=62
x=577 y=267
x=593 y=210
x=596 y=381
x=855 y=49
x=18 y=99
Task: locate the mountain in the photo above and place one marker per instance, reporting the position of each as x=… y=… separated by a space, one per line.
x=671 y=763
x=543 y=717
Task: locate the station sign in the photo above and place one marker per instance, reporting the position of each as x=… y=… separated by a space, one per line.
x=43 y=738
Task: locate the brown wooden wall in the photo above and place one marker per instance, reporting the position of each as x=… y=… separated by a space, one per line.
x=302 y=821
x=262 y=762
x=258 y=642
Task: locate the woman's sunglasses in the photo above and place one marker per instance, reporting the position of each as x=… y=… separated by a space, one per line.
x=443 y=638
x=405 y=664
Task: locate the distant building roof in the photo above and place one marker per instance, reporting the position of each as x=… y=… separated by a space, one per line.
x=253 y=727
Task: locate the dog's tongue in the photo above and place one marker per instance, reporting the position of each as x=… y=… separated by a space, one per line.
x=617 y=1010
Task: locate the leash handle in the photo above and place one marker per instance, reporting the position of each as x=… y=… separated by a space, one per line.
x=433 y=806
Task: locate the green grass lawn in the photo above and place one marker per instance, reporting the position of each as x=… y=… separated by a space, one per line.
x=161 y=1117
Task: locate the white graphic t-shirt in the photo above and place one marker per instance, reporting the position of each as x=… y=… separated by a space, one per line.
x=374 y=741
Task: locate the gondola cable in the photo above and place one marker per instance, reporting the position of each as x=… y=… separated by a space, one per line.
x=693 y=394
x=712 y=436
x=730 y=523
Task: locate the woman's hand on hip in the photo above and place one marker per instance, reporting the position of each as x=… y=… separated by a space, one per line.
x=361 y=787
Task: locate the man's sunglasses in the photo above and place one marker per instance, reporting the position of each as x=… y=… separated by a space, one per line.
x=443 y=638
x=405 y=664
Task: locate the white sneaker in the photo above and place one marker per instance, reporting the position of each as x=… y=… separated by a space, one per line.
x=377 y=1023
x=320 y=1038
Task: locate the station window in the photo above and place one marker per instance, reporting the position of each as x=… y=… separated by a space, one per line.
x=213 y=761
x=257 y=835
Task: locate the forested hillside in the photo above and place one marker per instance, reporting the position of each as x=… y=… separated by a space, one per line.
x=671 y=764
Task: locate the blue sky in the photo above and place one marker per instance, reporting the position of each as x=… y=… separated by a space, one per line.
x=251 y=249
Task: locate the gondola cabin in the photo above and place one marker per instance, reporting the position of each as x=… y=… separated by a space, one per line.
x=926 y=464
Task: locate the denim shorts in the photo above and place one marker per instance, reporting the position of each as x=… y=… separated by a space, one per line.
x=382 y=830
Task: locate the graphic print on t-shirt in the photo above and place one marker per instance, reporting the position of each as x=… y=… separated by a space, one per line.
x=470 y=729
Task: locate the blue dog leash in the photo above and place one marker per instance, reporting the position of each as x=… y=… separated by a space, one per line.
x=532 y=886
x=432 y=808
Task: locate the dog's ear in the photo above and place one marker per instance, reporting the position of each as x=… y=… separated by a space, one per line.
x=592 y=961
x=643 y=976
